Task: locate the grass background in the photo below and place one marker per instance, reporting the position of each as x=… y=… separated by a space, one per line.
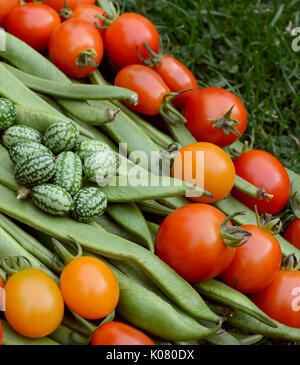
x=244 y=46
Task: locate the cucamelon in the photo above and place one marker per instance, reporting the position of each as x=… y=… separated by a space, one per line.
x=87 y=147
x=61 y=136
x=22 y=149
x=52 y=199
x=68 y=172
x=8 y=114
x=89 y=203
x=100 y=166
x=20 y=132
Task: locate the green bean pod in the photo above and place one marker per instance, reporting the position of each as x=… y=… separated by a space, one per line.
x=73 y=91
x=65 y=336
x=10 y=337
x=130 y=218
x=249 y=324
x=152 y=206
x=246 y=339
x=62 y=228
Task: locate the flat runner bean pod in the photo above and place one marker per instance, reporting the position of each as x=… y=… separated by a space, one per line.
x=246 y=339
x=73 y=91
x=152 y=206
x=129 y=217
x=175 y=287
x=246 y=323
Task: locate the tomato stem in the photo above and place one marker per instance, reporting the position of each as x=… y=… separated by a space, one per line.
x=63 y=253
x=154 y=59
x=85 y=58
x=13 y=264
x=234 y=236
x=66 y=12
x=168 y=111
x=111 y=11
x=227 y=123
x=268 y=223
x=290 y=263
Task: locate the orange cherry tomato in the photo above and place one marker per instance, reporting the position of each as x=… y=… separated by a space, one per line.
x=67 y=43
x=127 y=35
x=214 y=172
x=255 y=264
x=213 y=103
x=34 y=24
x=147 y=83
x=118 y=333
x=34 y=304
x=177 y=77
x=89 y=13
x=263 y=170
x=89 y=287
x=6 y=7
x=292 y=233
x=72 y=4
x=190 y=242
x=280 y=299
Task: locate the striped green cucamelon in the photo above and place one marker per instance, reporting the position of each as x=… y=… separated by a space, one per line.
x=19 y=132
x=87 y=147
x=61 y=136
x=100 y=166
x=89 y=203
x=52 y=199
x=22 y=149
x=35 y=169
x=8 y=114
x=68 y=172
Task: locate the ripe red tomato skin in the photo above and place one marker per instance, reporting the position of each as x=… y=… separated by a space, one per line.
x=117 y=333
x=147 y=83
x=255 y=264
x=178 y=77
x=6 y=7
x=125 y=34
x=88 y=13
x=189 y=241
x=292 y=233
x=72 y=4
x=34 y=24
x=213 y=103
x=68 y=40
x=264 y=171
x=278 y=298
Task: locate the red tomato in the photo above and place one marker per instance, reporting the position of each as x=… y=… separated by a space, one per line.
x=292 y=233
x=177 y=77
x=190 y=242
x=88 y=13
x=34 y=24
x=214 y=103
x=117 y=333
x=34 y=304
x=69 y=40
x=255 y=264
x=263 y=170
x=147 y=83
x=89 y=287
x=280 y=300
x=215 y=172
x=127 y=34
x=1 y=282
x=6 y=7
x=72 y=4
x=1 y=333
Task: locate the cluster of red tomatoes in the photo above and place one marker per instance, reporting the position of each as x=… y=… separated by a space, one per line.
x=34 y=304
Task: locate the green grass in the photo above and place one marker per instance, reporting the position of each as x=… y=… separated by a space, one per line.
x=244 y=46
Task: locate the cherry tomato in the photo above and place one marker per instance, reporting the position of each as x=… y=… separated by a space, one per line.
x=280 y=299
x=34 y=304
x=34 y=24
x=72 y=4
x=147 y=83
x=264 y=171
x=255 y=264
x=127 y=35
x=88 y=13
x=190 y=242
x=1 y=282
x=213 y=103
x=67 y=43
x=89 y=287
x=6 y=7
x=177 y=77
x=118 y=333
x=292 y=233
x=212 y=170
